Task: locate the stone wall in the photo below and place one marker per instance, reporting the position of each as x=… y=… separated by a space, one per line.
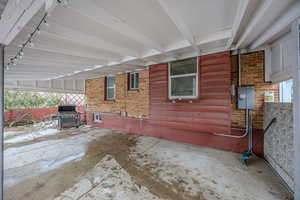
x=278 y=143
x=134 y=102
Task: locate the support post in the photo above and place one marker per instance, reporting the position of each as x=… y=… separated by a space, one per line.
x=1 y=118
x=296 y=113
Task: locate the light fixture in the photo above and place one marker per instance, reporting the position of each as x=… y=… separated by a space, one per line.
x=46 y=23
x=31 y=44
x=63 y=2
x=20 y=53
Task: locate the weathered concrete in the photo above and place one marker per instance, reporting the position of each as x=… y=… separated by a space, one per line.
x=92 y=163
x=278 y=142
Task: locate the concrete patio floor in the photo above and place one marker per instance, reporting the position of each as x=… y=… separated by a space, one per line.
x=91 y=163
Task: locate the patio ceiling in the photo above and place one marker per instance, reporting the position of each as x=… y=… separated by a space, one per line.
x=2 y=6
x=93 y=38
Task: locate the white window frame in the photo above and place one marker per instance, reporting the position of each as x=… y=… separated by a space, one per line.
x=99 y=117
x=131 y=88
x=282 y=93
x=183 y=75
x=107 y=87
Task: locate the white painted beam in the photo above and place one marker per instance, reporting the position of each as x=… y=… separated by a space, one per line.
x=70 y=56
x=54 y=57
x=57 y=31
x=46 y=68
x=15 y=16
x=65 y=51
x=29 y=77
x=242 y=8
x=28 y=72
x=180 y=24
x=220 y=37
x=263 y=9
x=94 y=11
x=64 y=46
x=281 y=24
x=31 y=61
x=212 y=38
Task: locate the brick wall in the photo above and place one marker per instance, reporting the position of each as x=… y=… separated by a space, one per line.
x=252 y=74
x=135 y=102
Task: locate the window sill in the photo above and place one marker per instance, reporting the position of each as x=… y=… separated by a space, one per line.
x=134 y=90
x=109 y=100
x=187 y=100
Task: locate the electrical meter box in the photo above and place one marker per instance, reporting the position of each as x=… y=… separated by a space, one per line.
x=246 y=98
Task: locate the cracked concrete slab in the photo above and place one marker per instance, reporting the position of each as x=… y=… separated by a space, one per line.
x=91 y=163
x=108 y=180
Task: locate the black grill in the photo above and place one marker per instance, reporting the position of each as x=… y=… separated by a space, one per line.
x=68 y=117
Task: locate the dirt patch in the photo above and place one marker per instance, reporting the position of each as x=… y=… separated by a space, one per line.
x=119 y=146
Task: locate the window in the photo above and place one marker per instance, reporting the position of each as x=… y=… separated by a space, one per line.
x=97 y=117
x=134 y=81
x=110 y=88
x=286 y=91
x=183 y=79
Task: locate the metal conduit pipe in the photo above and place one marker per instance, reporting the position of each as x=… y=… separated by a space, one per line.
x=250 y=140
x=248 y=117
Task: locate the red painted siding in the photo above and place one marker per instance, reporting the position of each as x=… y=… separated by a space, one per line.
x=209 y=113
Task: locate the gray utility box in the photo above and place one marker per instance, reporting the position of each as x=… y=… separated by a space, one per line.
x=246 y=98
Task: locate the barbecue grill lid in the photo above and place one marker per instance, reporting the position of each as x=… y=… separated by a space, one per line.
x=67 y=108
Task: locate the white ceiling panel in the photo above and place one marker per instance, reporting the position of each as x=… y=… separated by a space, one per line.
x=146 y=16
x=93 y=38
x=205 y=17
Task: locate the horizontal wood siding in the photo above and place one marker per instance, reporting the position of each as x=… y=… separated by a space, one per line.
x=211 y=112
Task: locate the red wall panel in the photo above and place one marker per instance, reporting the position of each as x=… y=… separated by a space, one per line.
x=209 y=113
